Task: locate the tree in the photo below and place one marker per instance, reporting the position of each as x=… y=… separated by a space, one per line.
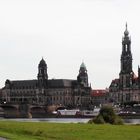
x=107 y=115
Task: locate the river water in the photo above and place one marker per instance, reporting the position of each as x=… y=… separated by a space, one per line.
x=54 y=120
x=132 y=121
x=66 y=120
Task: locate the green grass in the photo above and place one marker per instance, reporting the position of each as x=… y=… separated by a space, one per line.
x=58 y=131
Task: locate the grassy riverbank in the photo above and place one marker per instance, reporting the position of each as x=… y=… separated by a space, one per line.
x=54 y=131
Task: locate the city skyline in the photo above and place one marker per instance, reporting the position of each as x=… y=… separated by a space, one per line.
x=65 y=33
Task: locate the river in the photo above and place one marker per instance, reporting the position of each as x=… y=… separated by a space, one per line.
x=132 y=121
x=54 y=120
x=66 y=120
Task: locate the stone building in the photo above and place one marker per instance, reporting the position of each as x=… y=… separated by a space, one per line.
x=126 y=88
x=44 y=91
x=99 y=97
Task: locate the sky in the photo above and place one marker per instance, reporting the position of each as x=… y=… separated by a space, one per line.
x=66 y=33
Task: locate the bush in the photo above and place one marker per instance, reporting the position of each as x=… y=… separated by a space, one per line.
x=99 y=120
x=107 y=115
x=118 y=121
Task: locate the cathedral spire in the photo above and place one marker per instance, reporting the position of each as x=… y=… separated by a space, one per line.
x=126 y=33
x=126 y=60
x=126 y=56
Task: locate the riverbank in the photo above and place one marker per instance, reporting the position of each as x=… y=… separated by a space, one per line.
x=70 y=131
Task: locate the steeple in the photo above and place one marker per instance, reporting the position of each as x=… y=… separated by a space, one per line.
x=82 y=77
x=126 y=72
x=126 y=56
x=126 y=33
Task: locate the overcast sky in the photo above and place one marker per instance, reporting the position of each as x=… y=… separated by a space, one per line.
x=65 y=33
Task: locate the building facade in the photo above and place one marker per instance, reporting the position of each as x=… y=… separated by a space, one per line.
x=99 y=97
x=44 y=91
x=126 y=88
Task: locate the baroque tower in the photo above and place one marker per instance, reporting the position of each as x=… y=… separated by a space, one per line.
x=126 y=73
x=42 y=73
x=82 y=77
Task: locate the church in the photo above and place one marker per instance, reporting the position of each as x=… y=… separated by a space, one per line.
x=47 y=92
x=126 y=88
x=76 y=93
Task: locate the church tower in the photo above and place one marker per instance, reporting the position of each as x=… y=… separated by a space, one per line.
x=42 y=73
x=82 y=77
x=126 y=73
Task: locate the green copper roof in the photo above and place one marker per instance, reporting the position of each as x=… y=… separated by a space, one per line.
x=83 y=65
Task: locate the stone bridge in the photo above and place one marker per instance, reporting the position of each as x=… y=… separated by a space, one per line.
x=22 y=111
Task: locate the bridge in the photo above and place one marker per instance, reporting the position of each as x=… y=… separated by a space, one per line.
x=22 y=111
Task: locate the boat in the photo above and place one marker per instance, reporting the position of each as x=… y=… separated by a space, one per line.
x=77 y=113
x=67 y=112
x=90 y=113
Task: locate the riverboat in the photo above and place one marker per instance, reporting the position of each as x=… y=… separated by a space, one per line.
x=77 y=113
x=66 y=112
x=90 y=113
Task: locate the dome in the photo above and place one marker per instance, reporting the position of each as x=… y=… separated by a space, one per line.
x=83 y=66
x=126 y=33
x=7 y=81
x=42 y=63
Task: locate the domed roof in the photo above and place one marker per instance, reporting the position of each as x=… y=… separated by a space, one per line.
x=126 y=33
x=7 y=81
x=83 y=66
x=42 y=63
